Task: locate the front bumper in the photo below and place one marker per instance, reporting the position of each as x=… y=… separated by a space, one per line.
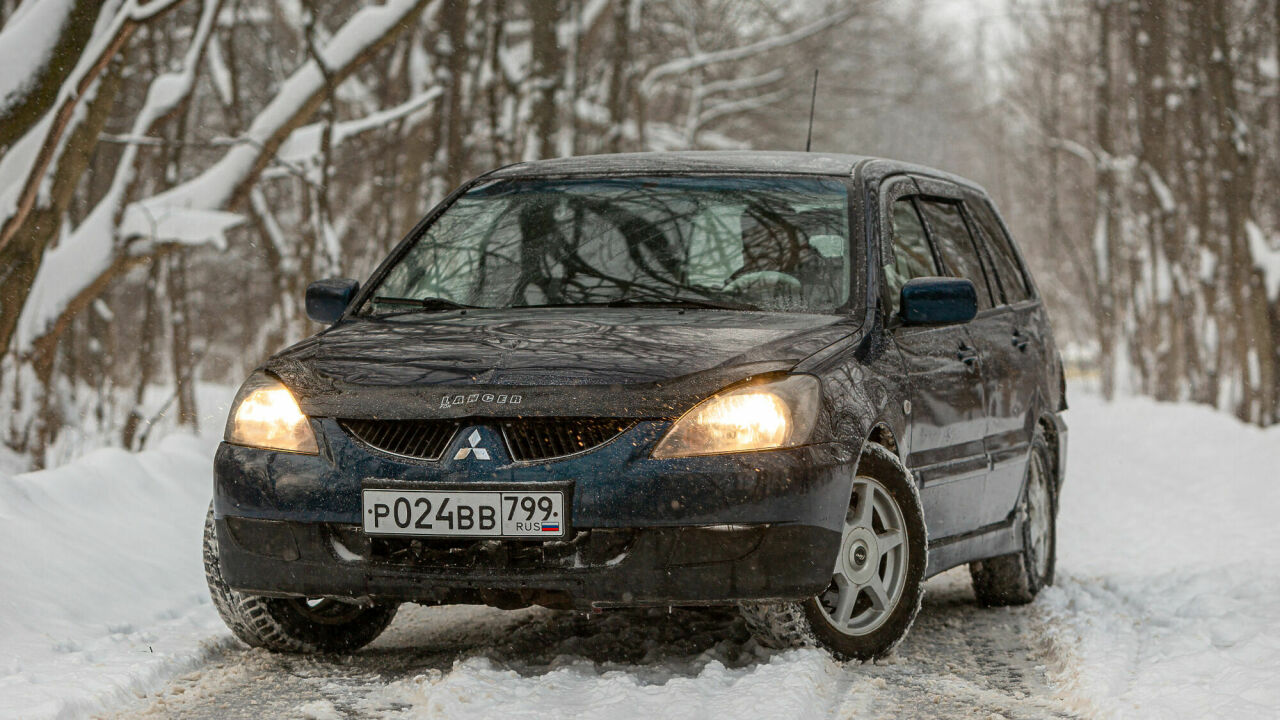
x=703 y=530
x=594 y=568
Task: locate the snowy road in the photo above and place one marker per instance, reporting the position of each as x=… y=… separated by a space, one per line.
x=1164 y=606
x=960 y=661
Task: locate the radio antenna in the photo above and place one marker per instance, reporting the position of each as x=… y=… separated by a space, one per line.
x=813 y=102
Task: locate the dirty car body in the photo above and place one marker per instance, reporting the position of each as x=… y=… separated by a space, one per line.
x=525 y=384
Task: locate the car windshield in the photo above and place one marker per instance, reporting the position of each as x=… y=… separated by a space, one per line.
x=752 y=243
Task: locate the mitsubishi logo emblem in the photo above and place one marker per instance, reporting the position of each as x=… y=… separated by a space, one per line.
x=473 y=447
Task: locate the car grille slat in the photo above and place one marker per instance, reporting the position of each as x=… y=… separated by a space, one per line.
x=544 y=438
x=528 y=439
x=423 y=443
x=424 y=439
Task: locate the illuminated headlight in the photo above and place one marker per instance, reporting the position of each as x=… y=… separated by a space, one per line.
x=759 y=416
x=265 y=415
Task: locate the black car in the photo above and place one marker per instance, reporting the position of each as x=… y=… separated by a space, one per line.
x=745 y=378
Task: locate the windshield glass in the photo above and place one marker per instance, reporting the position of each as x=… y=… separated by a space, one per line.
x=767 y=243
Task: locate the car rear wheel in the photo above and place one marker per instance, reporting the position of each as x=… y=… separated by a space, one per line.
x=877 y=582
x=1017 y=578
x=297 y=625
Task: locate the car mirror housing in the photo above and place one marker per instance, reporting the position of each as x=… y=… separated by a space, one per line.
x=938 y=301
x=328 y=299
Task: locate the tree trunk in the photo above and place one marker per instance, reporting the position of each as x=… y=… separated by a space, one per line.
x=1106 y=223
x=182 y=358
x=545 y=78
x=147 y=344
x=619 y=75
x=453 y=17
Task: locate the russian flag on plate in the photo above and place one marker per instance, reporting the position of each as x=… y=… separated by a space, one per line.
x=550 y=527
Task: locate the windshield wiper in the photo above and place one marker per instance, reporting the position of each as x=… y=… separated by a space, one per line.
x=679 y=303
x=650 y=302
x=427 y=303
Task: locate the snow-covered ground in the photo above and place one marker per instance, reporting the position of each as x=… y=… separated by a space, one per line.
x=1169 y=569
x=1167 y=602
x=102 y=593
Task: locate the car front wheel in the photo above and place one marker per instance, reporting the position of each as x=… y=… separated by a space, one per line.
x=297 y=625
x=877 y=582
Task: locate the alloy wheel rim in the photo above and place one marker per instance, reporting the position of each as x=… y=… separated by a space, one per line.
x=871 y=568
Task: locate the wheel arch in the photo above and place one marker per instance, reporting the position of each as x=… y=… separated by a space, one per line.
x=881 y=453
x=883 y=448
x=1048 y=425
x=883 y=435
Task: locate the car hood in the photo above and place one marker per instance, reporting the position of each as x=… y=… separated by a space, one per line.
x=623 y=362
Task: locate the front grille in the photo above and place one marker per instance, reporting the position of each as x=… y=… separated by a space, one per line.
x=426 y=439
x=528 y=439
x=543 y=438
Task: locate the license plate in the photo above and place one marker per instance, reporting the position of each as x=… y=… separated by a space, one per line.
x=466 y=513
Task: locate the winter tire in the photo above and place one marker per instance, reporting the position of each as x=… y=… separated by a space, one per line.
x=296 y=625
x=1017 y=578
x=878 y=580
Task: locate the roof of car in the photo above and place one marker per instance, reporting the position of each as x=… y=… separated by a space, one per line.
x=720 y=161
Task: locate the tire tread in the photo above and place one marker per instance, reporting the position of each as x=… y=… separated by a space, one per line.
x=258 y=621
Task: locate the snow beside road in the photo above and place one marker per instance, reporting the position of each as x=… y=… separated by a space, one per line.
x=1167 y=601
x=103 y=591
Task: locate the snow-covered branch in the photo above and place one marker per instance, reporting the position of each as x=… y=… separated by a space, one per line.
x=194 y=211
x=304 y=143
x=738 y=84
x=67 y=269
x=25 y=165
x=700 y=60
x=223 y=184
x=731 y=107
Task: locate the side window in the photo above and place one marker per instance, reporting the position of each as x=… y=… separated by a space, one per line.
x=912 y=257
x=1000 y=249
x=959 y=253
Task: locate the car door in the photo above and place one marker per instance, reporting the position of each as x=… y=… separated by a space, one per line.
x=941 y=207
x=1013 y=355
x=946 y=417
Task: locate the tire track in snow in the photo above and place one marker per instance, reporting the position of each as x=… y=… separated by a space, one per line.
x=959 y=661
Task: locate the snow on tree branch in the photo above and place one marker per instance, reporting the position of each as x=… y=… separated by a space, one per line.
x=194 y=212
x=87 y=251
x=304 y=143
x=699 y=60
x=738 y=84
x=299 y=96
x=23 y=168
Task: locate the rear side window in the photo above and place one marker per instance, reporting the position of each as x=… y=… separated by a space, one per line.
x=1000 y=249
x=912 y=256
x=959 y=253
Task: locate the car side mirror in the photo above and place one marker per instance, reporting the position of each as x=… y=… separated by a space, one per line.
x=328 y=299
x=938 y=301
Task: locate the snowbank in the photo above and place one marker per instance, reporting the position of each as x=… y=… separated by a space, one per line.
x=1168 y=595
x=103 y=591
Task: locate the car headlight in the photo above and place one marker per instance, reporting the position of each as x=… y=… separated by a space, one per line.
x=756 y=416
x=265 y=415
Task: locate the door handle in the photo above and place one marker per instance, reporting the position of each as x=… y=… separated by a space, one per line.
x=967 y=354
x=1020 y=340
